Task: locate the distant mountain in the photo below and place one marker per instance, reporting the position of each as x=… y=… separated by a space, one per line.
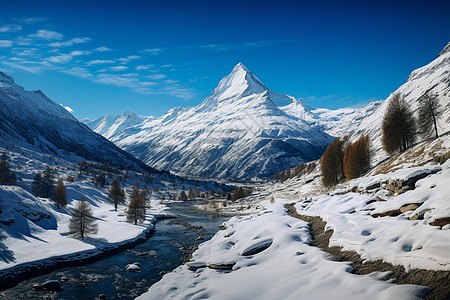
x=32 y=120
x=434 y=77
x=236 y=133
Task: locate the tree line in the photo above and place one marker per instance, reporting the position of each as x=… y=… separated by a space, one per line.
x=344 y=160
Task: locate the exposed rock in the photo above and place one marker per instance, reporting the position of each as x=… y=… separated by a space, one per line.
x=257 y=248
x=223 y=227
x=133 y=268
x=64 y=278
x=408 y=207
x=52 y=285
x=225 y=266
x=195 y=265
x=440 y=222
x=37 y=287
x=101 y=296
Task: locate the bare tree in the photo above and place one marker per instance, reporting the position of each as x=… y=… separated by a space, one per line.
x=60 y=193
x=191 y=194
x=398 y=126
x=429 y=110
x=82 y=222
x=116 y=194
x=183 y=196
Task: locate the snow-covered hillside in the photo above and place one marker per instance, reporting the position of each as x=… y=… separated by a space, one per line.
x=434 y=78
x=32 y=120
x=236 y=133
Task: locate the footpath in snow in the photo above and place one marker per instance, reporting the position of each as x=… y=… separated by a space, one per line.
x=268 y=256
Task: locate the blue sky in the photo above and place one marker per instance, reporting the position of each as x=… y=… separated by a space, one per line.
x=106 y=57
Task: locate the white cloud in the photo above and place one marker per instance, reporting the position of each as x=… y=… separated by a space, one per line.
x=31 y=69
x=63 y=58
x=102 y=49
x=129 y=58
x=47 y=35
x=117 y=80
x=166 y=66
x=67 y=108
x=156 y=76
x=71 y=42
x=10 y=28
x=153 y=51
x=144 y=67
x=147 y=83
x=23 y=41
x=118 y=68
x=78 y=72
x=100 y=62
x=32 y=20
x=5 y=43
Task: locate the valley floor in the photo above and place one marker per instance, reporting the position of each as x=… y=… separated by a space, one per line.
x=269 y=254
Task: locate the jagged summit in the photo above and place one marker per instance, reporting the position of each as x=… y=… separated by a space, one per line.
x=445 y=50
x=239 y=83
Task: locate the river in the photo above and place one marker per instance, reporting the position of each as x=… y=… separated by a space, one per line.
x=161 y=253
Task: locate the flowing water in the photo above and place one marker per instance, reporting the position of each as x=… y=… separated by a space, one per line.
x=161 y=253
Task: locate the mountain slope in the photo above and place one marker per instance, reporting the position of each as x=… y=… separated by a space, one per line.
x=31 y=119
x=236 y=133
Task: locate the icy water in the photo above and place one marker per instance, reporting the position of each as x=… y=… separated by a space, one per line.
x=161 y=253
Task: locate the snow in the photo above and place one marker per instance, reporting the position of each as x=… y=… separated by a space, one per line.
x=397 y=240
x=431 y=192
x=237 y=132
x=288 y=269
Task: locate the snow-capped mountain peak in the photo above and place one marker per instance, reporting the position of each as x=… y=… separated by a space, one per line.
x=239 y=83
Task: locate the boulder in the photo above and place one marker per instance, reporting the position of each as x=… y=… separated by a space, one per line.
x=37 y=287
x=52 y=285
x=440 y=222
x=408 y=207
x=257 y=247
x=222 y=266
x=133 y=268
x=195 y=265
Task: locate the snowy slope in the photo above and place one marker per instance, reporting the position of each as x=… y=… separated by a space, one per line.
x=29 y=118
x=433 y=77
x=237 y=132
x=112 y=126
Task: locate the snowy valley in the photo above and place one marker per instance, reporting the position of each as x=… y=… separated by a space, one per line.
x=383 y=235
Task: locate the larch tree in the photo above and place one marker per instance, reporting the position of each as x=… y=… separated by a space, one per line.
x=332 y=162
x=357 y=158
x=191 y=194
x=116 y=194
x=183 y=196
x=82 y=222
x=60 y=193
x=429 y=110
x=398 y=126
x=136 y=210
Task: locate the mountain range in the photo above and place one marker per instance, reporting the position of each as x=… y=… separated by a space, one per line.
x=238 y=132
x=30 y=119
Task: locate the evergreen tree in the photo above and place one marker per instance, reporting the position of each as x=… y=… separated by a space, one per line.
x=36 y=185
x=60 y=194
x=4 y=170
x=197 y=193
x=47 y=182
x=82 y=221
x=398 y=126
x=116 y=194
x=429 y=110
x=136 y=210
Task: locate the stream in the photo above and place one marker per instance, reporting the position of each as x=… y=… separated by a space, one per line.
x=161 y=253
